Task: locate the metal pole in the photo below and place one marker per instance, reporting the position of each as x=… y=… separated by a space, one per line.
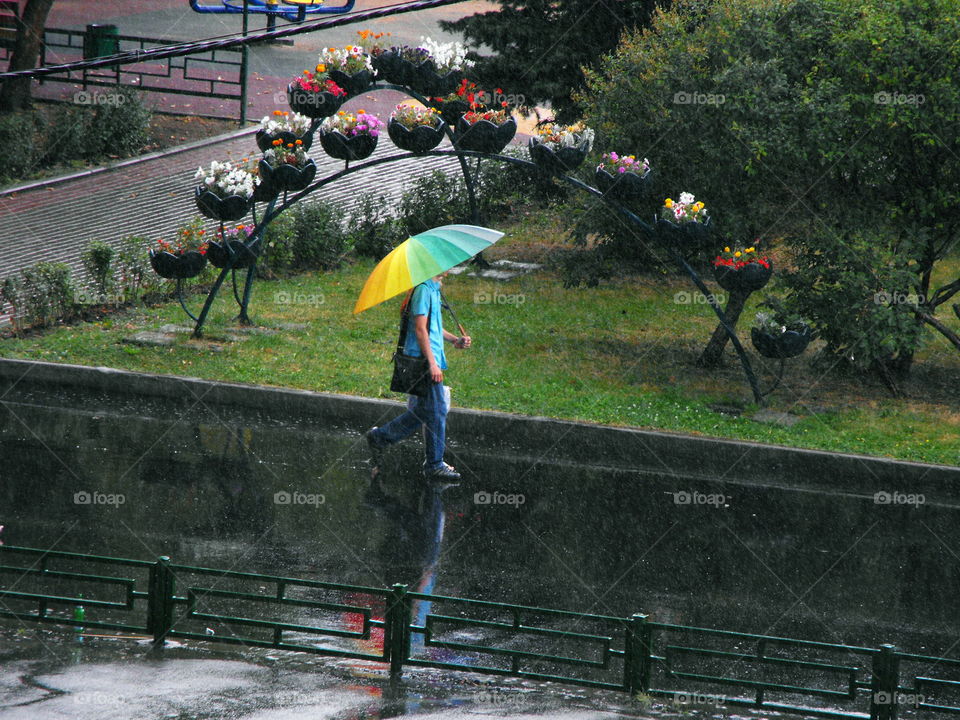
x=244 y=66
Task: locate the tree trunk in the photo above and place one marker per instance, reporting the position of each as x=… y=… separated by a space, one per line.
x=15 y=92
x=713 y=352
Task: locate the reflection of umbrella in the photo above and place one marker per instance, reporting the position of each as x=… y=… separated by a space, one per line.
x=420 y=258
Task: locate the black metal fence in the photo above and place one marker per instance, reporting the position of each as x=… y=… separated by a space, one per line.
x=691 y=665
x=217 y=73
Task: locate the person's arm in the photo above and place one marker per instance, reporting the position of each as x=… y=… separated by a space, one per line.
x=423 y=340
x=458 y=341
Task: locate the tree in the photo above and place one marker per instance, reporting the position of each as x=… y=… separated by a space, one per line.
x=15 y=92
x=541 y=46
x=831 y=127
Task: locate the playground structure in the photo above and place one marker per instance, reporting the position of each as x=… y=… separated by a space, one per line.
x=292 y=10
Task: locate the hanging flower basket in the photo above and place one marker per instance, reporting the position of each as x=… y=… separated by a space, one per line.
x=265 y=191
x=483 y=135
x=292 y=178
x=226 y=209
x=425 y=79
x=787 y=344
x=420 y=139
x=337 y=145
x=392 y=68
x=220 y=253
x=265 y=140
x=177 y=266
x=450 y=110
x=558 y=161
x=314 y=103
x=748 y=278
x=353 y=83
x=691 y=233
x=625 y=186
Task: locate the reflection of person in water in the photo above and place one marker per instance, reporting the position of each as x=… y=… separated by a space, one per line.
x=410 y=549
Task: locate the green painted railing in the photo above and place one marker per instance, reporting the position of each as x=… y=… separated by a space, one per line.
x=691 y=665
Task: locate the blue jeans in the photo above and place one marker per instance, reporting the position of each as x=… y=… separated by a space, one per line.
x=430 y=412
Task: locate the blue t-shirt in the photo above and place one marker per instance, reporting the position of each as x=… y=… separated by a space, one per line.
x=426 y=301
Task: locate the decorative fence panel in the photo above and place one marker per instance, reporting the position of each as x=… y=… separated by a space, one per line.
x=691 y=665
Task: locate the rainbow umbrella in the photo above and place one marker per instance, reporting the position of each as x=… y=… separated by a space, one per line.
x=421 y=257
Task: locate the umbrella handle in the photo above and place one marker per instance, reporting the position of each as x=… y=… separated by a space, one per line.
x=463 y=333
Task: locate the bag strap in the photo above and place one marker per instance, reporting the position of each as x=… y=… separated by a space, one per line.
x=405 y=317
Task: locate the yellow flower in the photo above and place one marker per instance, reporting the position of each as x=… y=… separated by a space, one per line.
x=321 y=68
x=668 y=203
x=726 y=249
x=737 y=253
x=750 y=249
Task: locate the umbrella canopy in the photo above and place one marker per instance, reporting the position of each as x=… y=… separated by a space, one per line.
x=421 y=257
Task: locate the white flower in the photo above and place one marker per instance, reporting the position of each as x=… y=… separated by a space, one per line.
x=447 y=56
x=686 y=198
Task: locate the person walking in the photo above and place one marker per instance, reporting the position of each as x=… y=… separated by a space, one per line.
x=425 y=337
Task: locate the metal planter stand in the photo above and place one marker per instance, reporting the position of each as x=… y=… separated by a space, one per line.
x=273 y=210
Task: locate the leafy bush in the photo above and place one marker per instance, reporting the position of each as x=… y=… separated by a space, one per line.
x=815 y=121
x=119 y=127
x=134 y=278
x=46 y=293
x=319 y=239
x=276 y=256
x=19 y=136
x=374 y=233
x=97 y=260
x=434 y=199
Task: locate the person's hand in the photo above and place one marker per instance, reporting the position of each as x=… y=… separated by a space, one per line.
x=436 y=374
x=463 y=342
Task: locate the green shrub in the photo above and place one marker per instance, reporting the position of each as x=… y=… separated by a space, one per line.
x=373 y=233
x=276 y=255
x=97 y=260
x=119 y=127
x=134 y=278
x=47 y=293
x=434 y=199
x=319 y=239
x=19 y=137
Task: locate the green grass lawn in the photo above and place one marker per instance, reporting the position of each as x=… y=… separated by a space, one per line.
x=620 y=354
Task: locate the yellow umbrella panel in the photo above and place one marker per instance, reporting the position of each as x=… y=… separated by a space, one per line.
x=421 y=257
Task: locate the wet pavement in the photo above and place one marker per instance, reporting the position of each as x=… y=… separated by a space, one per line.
x=50 y=675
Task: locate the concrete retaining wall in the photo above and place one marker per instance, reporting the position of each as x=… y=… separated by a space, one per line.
x=539 y=440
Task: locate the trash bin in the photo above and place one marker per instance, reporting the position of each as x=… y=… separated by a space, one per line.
x=100 y=41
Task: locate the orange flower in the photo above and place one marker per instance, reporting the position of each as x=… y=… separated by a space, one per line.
x=278 y=112
x=299 y=142
x=278 y=141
